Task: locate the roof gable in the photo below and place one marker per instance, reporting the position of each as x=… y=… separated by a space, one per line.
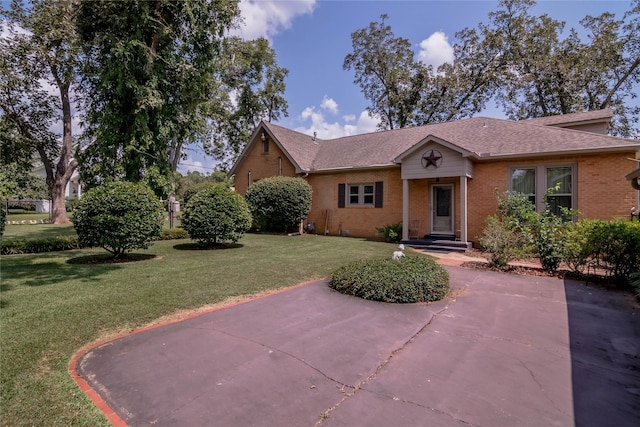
x=478 y=138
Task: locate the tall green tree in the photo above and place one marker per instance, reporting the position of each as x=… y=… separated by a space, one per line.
x=549 y=75
x=38 y=58
x=150 y=73
x=515 y=57
x=253 y=89
x=462 y=88
x=405 y=92
x=386 y=71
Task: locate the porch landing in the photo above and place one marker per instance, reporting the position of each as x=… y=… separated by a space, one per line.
x=438 y=243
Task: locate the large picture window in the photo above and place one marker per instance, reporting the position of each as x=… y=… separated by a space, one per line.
x=534 y=181
x=523 y=181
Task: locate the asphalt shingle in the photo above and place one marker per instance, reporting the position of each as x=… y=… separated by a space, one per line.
x=482 y=137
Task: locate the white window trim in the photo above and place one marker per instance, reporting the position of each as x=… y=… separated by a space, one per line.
x=361 y=194
x=541 y=181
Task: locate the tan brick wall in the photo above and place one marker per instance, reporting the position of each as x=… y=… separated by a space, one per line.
x=355 y=221
x=262 y=165
x=601 y=191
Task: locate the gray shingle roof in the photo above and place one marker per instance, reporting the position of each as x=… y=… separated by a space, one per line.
x=573 y=118
x=479 y=137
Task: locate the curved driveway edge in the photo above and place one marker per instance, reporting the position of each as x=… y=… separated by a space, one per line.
x=508 y=350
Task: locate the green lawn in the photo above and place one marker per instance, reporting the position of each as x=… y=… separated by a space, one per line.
x=53 y=304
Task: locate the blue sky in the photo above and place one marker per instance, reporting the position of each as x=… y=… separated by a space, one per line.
x=311 y=39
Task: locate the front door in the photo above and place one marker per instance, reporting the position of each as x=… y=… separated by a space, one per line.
x=442 y=209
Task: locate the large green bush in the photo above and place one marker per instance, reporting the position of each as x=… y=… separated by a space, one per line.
x=577 y=252
x=610 y=245
x=194 y=189
x=411 y=279
x=502 y=240
x=391 y=232
x=216 y=215
x=279 y=203
x=508 y=233
x=119 y=217
x=616 y=246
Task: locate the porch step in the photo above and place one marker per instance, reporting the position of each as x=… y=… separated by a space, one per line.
x=438 y=244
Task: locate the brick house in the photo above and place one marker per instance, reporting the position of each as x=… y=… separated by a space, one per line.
x=441 y=179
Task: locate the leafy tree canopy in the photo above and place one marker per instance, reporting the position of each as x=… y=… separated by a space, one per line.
x=252 y=87
x=521 y=60
x=38 y=59
x=150 y=75
x=21 y=183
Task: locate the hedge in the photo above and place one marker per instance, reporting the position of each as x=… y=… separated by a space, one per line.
x=64 y=243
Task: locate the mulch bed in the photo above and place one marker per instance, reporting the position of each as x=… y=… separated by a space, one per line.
x=533 y=270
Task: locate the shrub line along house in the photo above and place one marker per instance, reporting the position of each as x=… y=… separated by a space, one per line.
x=440 y=180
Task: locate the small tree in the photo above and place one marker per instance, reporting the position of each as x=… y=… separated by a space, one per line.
x=119 y=217
x=216 y=214
x=507 y=234
x=279 y=203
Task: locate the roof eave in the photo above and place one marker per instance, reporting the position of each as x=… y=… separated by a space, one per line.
x=353 y=168
x=615 y=149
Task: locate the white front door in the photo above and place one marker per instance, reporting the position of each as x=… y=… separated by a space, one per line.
x=442 y=209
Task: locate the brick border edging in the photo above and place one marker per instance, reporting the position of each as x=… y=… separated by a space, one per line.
x=97 y=399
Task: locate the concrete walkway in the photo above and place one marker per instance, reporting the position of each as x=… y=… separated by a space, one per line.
x=503 y=350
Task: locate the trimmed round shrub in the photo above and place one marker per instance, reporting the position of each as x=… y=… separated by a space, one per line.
x=194 y=189
x=216 y=215
x=411 y=279
x=279 y=203
x=119 y=217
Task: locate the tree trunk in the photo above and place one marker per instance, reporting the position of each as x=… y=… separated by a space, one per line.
x=58 y=181
x=58 y=209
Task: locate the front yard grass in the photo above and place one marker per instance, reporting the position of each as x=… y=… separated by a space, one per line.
x=53 y=304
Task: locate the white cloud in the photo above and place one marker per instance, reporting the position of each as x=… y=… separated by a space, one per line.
x=8 y=31
x=206 y=166
x=266 y=18
x=329 y=104
x=331 y=130
x=436 y=50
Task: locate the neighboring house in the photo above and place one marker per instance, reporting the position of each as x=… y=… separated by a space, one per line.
x=441 y=179
x=73 y=188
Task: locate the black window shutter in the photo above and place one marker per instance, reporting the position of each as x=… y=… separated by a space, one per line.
x=378 y=201
x=341 y=195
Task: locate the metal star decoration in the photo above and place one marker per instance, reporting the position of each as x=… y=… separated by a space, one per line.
x=433 y=158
